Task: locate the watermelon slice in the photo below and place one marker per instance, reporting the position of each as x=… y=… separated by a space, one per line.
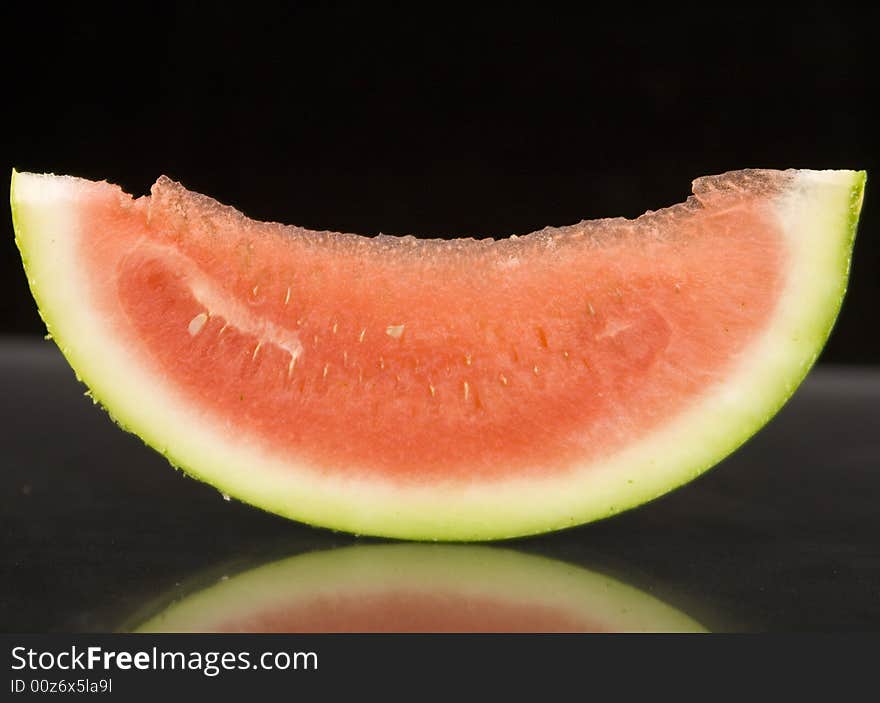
x=430 y=389
x=417 y=588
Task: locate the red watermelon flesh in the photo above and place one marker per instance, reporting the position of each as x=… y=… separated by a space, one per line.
x=432 y=388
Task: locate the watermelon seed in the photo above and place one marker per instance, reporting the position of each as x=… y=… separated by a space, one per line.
x=361 y=335
x=394 y=331
x=255 y=290
x=565 y=355
x=326 y=367
x=335 y=327
x=432 y=389
x=467 y=390
x=542 y=337
x=590 y=308
x=535 y=369
x=287 y=297
x=502 y=378
x=677 y=288
x=196 y=324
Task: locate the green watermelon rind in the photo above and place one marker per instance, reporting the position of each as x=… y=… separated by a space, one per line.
x=820 y=207
x=484 y=573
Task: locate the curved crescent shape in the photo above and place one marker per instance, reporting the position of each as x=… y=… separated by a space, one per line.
x=816 y=212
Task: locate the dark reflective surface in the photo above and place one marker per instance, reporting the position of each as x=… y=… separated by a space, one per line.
x=97 y=529
x=408 y=587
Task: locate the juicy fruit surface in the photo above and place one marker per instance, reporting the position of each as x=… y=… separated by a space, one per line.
x=416 y=588
x=438 y=388
x=429 y=360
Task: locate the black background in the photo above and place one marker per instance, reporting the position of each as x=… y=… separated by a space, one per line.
x=432 y=119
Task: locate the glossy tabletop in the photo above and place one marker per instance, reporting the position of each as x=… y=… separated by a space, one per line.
x=99 y=532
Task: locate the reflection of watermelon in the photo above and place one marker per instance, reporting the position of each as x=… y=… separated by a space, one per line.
x=442 y=389
x=418 y=588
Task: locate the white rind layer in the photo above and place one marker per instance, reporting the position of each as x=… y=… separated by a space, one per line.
x=818 y=215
